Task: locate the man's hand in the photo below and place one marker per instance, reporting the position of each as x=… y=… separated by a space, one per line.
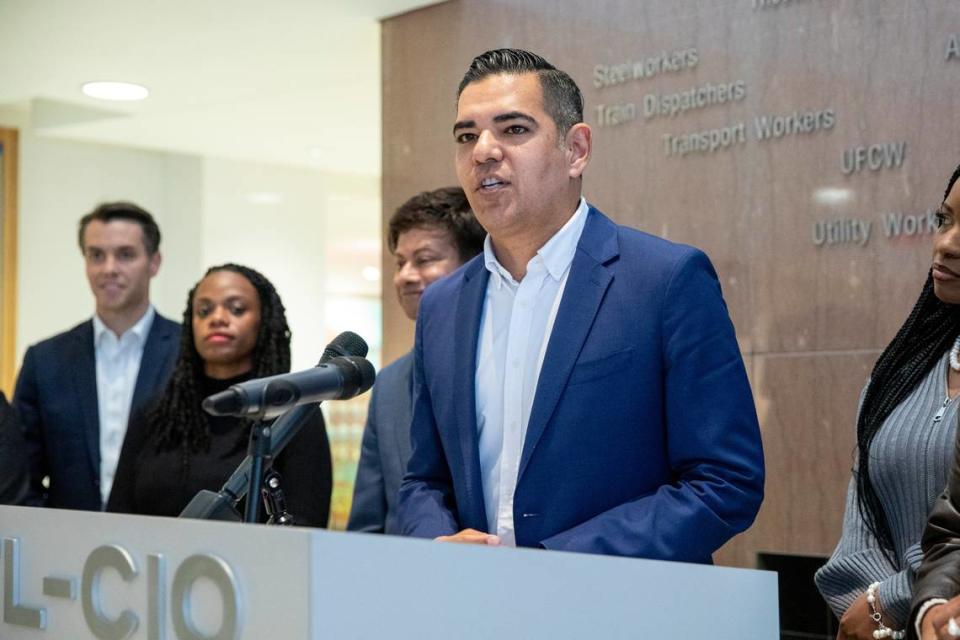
x=856 y=623
x=471 y=536
x=927 y=629
x=935 y=621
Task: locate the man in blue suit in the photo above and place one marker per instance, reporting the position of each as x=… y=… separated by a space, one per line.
x=76 y=391
x=430 y=236
x=579 y=386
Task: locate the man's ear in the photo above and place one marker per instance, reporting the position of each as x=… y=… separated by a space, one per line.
x=579 y=146
x=155 y=261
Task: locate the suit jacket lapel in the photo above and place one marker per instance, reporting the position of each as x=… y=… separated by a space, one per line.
x=152 y=363
x=85 y=389
x=402 y=407
x=468 y=315
x=586 y=285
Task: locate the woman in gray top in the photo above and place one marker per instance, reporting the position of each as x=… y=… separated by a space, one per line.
x=907 y=424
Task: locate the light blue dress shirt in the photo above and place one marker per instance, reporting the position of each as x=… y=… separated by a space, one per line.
x=118 y=365
x=515 y=328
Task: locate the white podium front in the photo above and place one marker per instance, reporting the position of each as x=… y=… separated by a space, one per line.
x=76 y=575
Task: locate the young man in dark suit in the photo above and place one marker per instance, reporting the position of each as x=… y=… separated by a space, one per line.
x=76 y=391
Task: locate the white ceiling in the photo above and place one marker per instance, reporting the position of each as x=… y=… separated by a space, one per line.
x=293 y=82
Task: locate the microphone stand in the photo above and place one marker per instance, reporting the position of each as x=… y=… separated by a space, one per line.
x=274 y=501
x=221 y=505
x=259 y=452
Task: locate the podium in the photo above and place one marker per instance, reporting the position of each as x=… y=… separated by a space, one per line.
x=77 y=575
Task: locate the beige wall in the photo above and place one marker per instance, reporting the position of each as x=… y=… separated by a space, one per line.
x=281 y=220
x=811 y=318
x=59 y=182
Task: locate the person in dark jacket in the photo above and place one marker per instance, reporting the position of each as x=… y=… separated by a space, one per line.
x=13 y=457
x=77 y=390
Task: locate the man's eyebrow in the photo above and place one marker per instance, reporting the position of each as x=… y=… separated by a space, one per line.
x=503 y=117
x=948 y=208
x=514 y=115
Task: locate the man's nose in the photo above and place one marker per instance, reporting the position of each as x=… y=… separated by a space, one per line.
x=487 y=148
x=408 y=273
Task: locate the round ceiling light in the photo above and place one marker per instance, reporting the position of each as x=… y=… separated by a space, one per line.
x=370 y=274
x=126 y=91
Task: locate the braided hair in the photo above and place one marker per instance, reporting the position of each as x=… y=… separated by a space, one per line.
x=930 y=329
x=177 y=417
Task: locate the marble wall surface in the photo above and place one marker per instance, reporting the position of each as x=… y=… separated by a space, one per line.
x=829 y=134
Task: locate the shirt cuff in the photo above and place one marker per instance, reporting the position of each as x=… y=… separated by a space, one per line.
x=922 y=611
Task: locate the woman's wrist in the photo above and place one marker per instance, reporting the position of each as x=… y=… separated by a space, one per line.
x=876 y=614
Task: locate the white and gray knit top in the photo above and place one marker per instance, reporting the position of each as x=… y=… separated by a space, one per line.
x=912 y=455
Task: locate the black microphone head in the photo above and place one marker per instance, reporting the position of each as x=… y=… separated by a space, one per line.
x=358 y=374
x=367 y=374
x=225 y=403
x=346 y=344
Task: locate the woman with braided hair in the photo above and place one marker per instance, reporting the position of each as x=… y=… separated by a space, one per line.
x=234 y=329
x=906 y=430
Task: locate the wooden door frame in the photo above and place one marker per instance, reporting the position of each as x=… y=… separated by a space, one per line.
x=8 y=254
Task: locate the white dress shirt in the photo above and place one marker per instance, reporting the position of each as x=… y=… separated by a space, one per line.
x=118 y=365
x=515 y=328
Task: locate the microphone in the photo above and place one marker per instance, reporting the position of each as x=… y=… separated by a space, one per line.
x=346 y=343
x=340 y=378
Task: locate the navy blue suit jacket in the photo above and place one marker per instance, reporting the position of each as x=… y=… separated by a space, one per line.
x=56 y=397
x=643 y=438
x=13 y=460
x=384 y=451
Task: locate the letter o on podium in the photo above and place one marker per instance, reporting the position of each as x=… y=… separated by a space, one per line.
x=217 y=571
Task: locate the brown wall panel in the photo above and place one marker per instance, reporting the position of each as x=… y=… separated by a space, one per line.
x=807 y=407
x=811 y=318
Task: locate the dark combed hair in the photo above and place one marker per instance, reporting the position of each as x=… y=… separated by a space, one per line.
x=562 y=98
x=447 y=209
x=177 y=417
x=930 y=329
x=109 y=211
